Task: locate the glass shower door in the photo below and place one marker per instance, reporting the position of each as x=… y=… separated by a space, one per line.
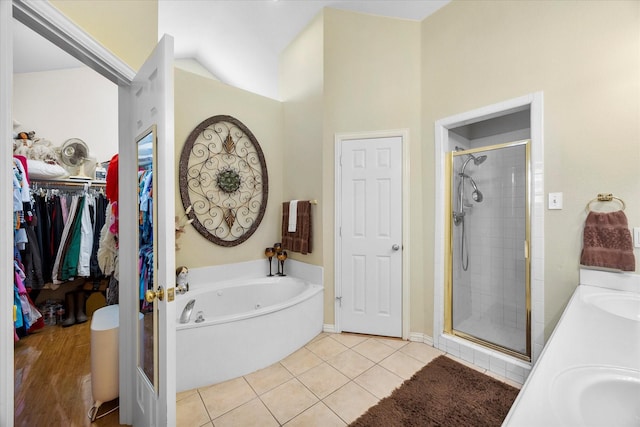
x=489 y=285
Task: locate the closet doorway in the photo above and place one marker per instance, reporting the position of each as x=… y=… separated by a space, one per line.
x=59 y=98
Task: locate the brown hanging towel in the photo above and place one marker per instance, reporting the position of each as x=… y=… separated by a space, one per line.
x=607 y=241
x=300 y=239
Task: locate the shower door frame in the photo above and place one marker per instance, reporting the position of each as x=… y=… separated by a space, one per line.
x=448 y=285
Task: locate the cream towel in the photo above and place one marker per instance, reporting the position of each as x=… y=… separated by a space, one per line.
x=293 y=216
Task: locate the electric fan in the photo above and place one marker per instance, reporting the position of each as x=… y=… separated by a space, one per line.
x=74 y=154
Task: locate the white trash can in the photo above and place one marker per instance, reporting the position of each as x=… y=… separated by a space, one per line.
x=104 y=356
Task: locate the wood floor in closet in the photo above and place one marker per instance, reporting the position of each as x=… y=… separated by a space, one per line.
x=53 y=379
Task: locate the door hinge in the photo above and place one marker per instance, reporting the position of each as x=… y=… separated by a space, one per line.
x=339 y=299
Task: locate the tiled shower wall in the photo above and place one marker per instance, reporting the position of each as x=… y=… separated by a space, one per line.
x=492 y=290
x=446 y=140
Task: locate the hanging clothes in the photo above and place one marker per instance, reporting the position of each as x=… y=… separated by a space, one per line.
x=58 y=225
x=145 y=233
x=25 y=315
x=71 y=257
x=32 y=261
x=66 y=250
x=27 y=318
x=145 y=267
x=99 y=218
x=55 y=239
x=86 y=238
x=64 y=246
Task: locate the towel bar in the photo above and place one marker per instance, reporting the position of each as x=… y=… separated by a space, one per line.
x=605 y=197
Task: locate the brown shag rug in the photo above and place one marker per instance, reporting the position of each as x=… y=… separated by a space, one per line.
x=443 y=393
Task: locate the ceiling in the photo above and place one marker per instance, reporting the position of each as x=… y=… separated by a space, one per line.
x=237 y=42
x=32 y=52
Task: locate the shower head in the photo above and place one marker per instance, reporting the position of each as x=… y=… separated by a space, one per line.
x=476 y=195
x=478 y=160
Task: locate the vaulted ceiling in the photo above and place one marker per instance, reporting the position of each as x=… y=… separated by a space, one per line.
x=239 y=42
x=236 y=41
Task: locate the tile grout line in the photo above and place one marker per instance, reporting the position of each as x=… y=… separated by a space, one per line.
x=325 y=360
x=352 y=380
x=205 y=406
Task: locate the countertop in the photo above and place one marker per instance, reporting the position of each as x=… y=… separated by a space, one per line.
x=590 y=349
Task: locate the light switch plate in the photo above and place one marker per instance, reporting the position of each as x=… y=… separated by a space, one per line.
x=555 y=200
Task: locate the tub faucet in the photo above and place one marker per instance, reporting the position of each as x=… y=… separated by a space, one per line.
x=182 y=280
x=186 y=313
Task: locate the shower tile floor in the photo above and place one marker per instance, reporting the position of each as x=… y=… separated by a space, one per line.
x=331 y=381
x=498 y=333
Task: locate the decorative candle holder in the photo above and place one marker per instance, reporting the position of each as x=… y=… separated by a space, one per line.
x=281 y=256
x=277 y=247
x=269 y=253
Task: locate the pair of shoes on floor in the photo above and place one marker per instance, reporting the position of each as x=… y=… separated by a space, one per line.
x=75 y=309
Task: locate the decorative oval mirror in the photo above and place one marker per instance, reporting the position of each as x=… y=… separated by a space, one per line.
x=223 y=177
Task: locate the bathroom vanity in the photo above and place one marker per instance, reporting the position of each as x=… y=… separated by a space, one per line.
x=589 y=372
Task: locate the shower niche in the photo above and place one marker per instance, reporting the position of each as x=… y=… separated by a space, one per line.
x=487 y=267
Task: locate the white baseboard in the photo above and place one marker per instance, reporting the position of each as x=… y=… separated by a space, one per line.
x=413 y=336
x=420 y=337
x=329 y=328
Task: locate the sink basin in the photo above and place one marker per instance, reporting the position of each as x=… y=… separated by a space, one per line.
x=620 y=304
x=597 y=396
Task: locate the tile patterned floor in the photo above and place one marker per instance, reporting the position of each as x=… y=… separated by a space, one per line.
x=329 y=382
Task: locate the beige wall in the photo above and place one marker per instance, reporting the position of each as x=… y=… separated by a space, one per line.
x=585 y=57
x=128 y=28
x=198 y=98
x=372 y=81
x=353 y=78
x=301 y=90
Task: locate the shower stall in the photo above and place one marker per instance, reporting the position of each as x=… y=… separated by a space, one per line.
x=487 y=293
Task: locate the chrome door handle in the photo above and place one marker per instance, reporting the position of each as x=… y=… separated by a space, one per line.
x=395 y=247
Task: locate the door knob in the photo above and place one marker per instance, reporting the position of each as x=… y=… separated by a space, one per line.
x=395 y=247
x=150 y=295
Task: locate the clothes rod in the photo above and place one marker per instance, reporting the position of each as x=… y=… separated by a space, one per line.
x=66 y=183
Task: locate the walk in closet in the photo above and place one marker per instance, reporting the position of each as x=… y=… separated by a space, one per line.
x=64 y=228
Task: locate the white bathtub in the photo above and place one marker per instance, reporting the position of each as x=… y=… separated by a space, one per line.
x=249 y=325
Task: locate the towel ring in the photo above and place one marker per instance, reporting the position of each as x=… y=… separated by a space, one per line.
x=605 y=197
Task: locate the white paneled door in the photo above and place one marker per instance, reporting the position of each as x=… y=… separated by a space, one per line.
x=370 y=294
x=148 y=104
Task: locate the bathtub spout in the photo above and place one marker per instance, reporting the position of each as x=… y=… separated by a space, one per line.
x=186 y=313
